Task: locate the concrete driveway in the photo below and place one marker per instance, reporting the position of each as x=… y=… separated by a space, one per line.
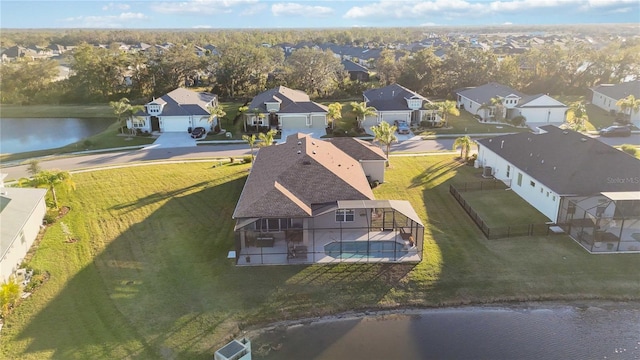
x=315 y=133
x=173 y=140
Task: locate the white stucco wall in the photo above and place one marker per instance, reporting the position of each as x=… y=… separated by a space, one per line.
x=539 y=196
x=607 y=103
x=21 y=244
x=328 y=221
x=469 y=105
x=542 y=115
x=369 y=122
x=374 y=169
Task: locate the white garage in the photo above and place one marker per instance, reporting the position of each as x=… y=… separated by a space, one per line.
x=174 y=123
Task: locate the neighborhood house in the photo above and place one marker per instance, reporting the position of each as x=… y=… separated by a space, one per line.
x=282 y=108
x=395 y=102
x=606 y=96
x=589 y=189
x=177 y=111
x=492 y=102
x=308 y=201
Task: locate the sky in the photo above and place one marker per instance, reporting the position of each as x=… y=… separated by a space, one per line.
x=225 y=14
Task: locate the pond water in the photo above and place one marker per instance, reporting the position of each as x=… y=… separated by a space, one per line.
x=29 y=134
x=560 y=332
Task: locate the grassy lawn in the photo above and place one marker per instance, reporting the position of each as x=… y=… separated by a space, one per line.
x=107 y=139
x=57 y=111
x=466 y=124
x=503 y=208
x=149 y=278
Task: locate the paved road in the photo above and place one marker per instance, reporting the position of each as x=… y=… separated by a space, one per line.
x=220 y=151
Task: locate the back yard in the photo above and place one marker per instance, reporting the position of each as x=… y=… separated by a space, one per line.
x=149 y=275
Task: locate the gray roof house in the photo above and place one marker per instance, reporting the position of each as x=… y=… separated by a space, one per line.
x=307 y=201
x=21 y=214
x=356 y=72
x=285 y=109
x=583 y=185
x=395 y=102
x=605 y=96
x=177 y=110
x=537 y=110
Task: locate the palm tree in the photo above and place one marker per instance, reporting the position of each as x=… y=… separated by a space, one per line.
x=361 y=111
x=266 y=139
x=51 y=179
x=578 y=116
x=334 y=113
x=33 y=167
x=464 y=142
x=628 y=105
x=385 y=135
x=215 y=112
x=445 y=108
x=251 y=140
x=120 y=108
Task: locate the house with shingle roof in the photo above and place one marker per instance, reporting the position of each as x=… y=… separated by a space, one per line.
x=371 y=157
x=308 y=201
x=590 y=189
x=538 y=110
x=284 y=108
x=177 y=110
x=356 y=72
x=605 y=96
x=396 y=102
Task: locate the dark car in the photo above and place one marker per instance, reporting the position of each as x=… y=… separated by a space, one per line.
x=198 y=132
x=403 y=127
x=616 y=130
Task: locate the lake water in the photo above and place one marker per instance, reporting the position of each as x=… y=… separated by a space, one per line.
x=29 y=134
x=557 y=332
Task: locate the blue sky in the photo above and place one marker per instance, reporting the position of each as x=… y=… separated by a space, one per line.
x=217 y=14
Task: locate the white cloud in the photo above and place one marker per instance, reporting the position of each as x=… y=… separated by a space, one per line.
x=295 y=9
x=199 y=6
x=428 y=24
x=253 y=10
x=107 y=21
x=116 y=6
x=201 y=27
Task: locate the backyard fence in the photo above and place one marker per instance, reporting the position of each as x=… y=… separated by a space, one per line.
x=496 y=232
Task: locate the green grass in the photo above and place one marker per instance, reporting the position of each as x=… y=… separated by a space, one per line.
x=149 y=277
x=499 y=208
x=57 y=111
x=467 y=124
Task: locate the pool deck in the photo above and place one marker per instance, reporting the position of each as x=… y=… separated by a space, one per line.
x=279 y=254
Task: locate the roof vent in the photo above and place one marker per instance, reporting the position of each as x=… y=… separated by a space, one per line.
x=554 y=168
x=299 y=142
x=542 y=162
x=502 y=144
x=306 y=162
x=313 y=143
x=565 y=132
x=583 y=139
x=530 y=154
x=299 y=152
x=314 y=152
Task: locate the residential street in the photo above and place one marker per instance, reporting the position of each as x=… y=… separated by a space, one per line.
x=217 y=151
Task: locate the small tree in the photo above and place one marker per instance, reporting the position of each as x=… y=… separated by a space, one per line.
x=266 y=139
x=576 y=116
x=464 y=142
x=33 y=167
x=53 y=178
x=251 y=140
x=9 y=295
x=628 y=105
x=215 y=113
x=120 y=108
x=361 y=111
x=385 y=135
x=334 y=113
x=445 y=108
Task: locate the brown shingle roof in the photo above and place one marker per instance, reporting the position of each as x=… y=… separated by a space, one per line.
x=358 y=149
x=287 y=179
x=291 y=101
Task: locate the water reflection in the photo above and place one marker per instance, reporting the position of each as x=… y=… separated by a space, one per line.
x=29 y=134
x=560 y=332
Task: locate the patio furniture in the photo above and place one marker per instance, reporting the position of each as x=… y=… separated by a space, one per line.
x=265 y=240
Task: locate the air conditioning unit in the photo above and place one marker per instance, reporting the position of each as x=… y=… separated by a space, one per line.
x=235 y=350
x=487 y=172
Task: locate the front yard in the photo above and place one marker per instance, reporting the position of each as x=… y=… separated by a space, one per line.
x=149 y=276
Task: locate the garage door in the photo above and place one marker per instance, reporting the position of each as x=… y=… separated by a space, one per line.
x=175 y=123
x=294 y=122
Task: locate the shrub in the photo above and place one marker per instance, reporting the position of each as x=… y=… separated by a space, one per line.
x=246 y=159
x=472 y=159
x=374 y=184
x=629 y=149
x=518 y=120
x=88 y=143
x=51 y=216
x=231 y=159
x=9 y=295
x=38 y=278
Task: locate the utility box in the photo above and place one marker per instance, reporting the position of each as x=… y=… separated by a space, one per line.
x=239 y=349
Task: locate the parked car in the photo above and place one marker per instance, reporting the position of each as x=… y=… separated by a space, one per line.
x=616 y=130
x=198 y=132
x=403 y=127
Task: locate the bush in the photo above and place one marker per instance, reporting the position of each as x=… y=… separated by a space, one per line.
x=51 y=216
x=88 y=143
x=231 y=160
x=9 y=295
x=629 y=149
x=38 y=278
x=246 y=159
x=472 y=159
x=518 y=120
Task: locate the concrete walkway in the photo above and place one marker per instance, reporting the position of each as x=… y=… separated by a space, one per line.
x=173 y=140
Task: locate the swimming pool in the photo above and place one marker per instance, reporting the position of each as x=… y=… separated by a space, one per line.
x=365 y=249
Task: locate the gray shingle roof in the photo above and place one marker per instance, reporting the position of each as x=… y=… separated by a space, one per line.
x=483 y=94
x=16 y=206
x=291 y=101
x=619 y=91
x=568 y=162
x=182 y=101
x=391 y=97
x=358 y=149
x=353 y=67
x=287 y=179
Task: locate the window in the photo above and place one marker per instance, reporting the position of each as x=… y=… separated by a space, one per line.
x=532 y=183
x=553 y=198
x=344 y=215
x=138 y=123
x=547 y=194
x=519 y=179
x=541 y=190
x=309 y=121
x=508 y=170
x=272 y=225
